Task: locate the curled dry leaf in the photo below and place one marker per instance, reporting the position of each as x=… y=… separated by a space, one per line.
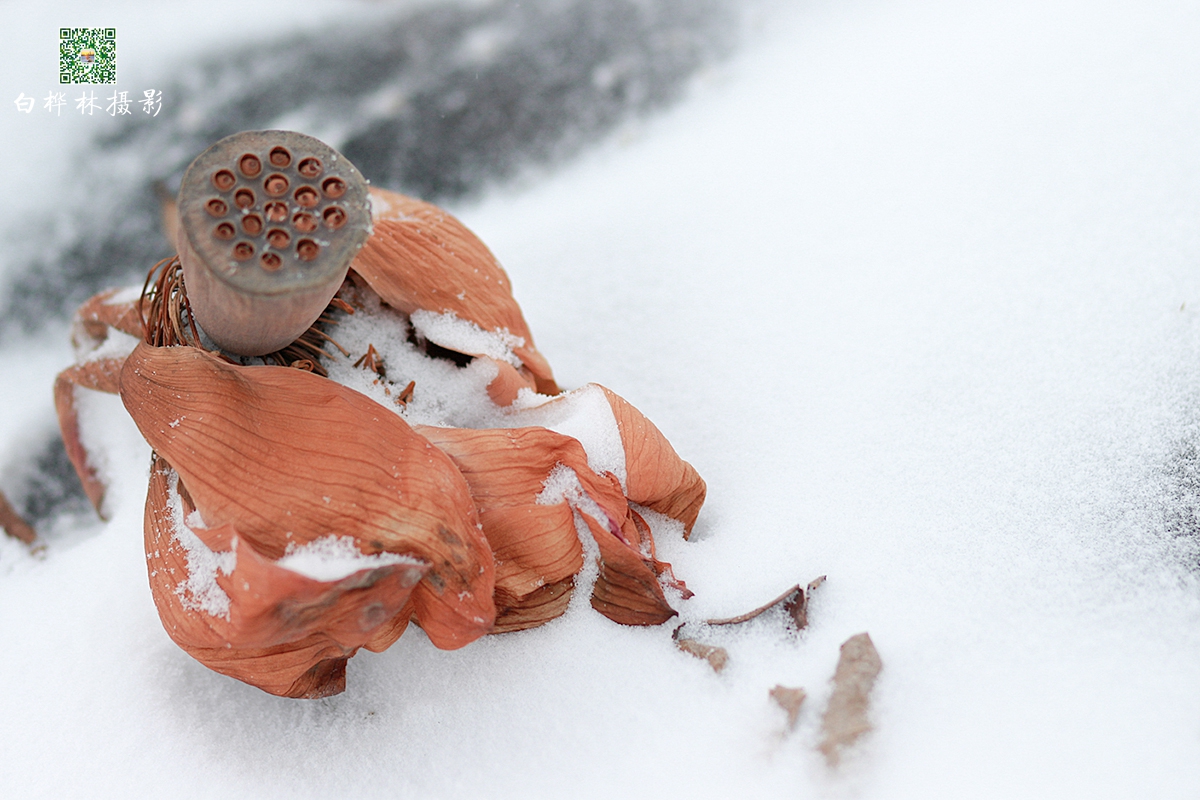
x=419 y=257
x=14 y=524
x=846 y=718
x=789 y=699
x=287 y=457
x=717 y=657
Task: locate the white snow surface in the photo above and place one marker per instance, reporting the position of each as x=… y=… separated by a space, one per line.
x=466 y=337
x=914 y=287
x=198 y=589
x=332 y=557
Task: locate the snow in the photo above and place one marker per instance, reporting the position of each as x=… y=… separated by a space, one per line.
x=463 y=336
x=583 y=414
x=331 y=558
x=913 y=286
x=199 y=590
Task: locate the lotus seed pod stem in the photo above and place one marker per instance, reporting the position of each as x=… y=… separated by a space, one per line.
x=269 y=223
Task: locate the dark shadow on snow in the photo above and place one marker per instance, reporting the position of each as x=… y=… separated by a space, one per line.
x=436 y=102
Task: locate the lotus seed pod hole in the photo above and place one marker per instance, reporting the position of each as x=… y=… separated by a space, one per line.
x=334 y=217
x=223 y=180
x=307 y=250
x=309 y=167
x=250 y=165
x=334 y=187
x=278 y=238
x=306 y=196
x=276 y=212
x=275 y=185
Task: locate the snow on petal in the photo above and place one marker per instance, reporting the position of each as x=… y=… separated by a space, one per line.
x=285 y=456
x=420 y=257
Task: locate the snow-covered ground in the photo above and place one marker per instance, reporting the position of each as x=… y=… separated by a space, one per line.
x=916 y=288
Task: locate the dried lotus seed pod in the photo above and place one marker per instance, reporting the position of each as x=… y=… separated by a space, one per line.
x=269 y=223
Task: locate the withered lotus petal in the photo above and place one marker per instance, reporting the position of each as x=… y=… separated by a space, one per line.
x=312 y=666
x=306 y=669
x=535 y=544
x=508 y=382
x=271 y=605
x=388 y=633
x=94 y=318
x=418 y=251
x=656 y=477
x=286 y=456
x=101 y=375
x=627 y=590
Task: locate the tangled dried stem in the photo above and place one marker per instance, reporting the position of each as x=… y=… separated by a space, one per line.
x=167 y=321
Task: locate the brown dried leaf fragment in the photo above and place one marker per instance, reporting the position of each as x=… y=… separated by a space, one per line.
x=789 y=699
x=287 y=457
x=794 y=601
x=798 y=610
x=14 y=524
x=421 y=257
x=846 y=718
x=717 y=657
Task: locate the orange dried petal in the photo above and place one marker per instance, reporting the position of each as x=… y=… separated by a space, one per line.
x=310 y=663
x=286 y=457
x=100 y=313
x=627 y=590
x=13 y=524
x=101 y=375
x=508 y=382
x=656 y=477
x=421 y=257
x=536 y=545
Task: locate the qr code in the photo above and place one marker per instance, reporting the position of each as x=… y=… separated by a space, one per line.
x=87 y=55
